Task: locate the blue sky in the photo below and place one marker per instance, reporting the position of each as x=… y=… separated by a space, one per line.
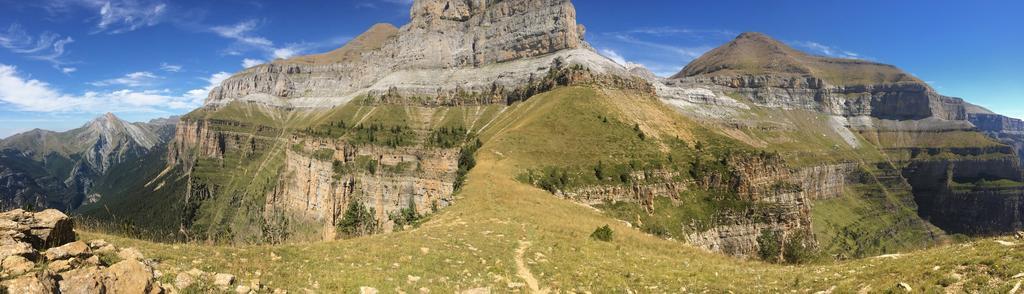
x=63 y=62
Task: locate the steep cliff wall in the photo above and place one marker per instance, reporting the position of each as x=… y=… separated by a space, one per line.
x=970 y=195
x=318 y=190
x=448 y=49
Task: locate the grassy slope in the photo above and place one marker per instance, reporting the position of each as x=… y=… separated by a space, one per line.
x=476 y=242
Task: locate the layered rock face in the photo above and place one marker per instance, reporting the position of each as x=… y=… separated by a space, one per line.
x=770 y=74
x=64 y=166
x=937 y=154
x=493 y=44
x=1008 y=130
x=970 y=195
x=385 y=179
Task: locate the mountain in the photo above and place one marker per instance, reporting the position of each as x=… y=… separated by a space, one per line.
x=896 y=153
x=1006 y=129
x=489 y=147
x=283 y=151
x=58 y=169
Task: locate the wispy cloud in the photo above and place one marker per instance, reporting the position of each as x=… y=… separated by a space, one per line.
x=114 y=16
x=830 y=51
x=170 y=67
x=129 y=15
x=674 y=31
x=663 y=50
x=243 y=33
x=246 y=39
x=686 y=52
x=135 y=79
x=247 y=63
x=49 y=47
x=25 y=94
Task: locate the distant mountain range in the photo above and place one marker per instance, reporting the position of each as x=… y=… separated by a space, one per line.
x=40 y=168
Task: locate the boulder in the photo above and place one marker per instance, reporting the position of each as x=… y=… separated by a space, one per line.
x=44 y=229
x=367 y=290
x=184 y=280
x=39 y=283
x=16 y=265
x=223 y=280
x=130 y=254
x=82 y=280
x=98 y=243
x=242 y=289
x=129 y=276
x=10 y=247
x=52 y=228
x=69 y=250
x=64 y=265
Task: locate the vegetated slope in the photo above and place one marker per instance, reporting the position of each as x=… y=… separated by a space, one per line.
x=898 y=165
x=503 y=230
x=66 y=165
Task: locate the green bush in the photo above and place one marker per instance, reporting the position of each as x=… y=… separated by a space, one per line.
x=406 y=216
x=769 y=245
x=602 y=234
x=796 y=249
x=655 y=229
x=358 y=220
x=467 y=161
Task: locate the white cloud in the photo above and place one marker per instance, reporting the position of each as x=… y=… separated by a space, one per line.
x=242 y=32
x=247 y=63
x=614 y=56
x=68 y=70
x=285 y=53
x=684 y=52
x=246 y=39
x=37 y=96
x=830 y=51
x=129 y=15
x=170 y=67
x=135 y=79
x=47 y=47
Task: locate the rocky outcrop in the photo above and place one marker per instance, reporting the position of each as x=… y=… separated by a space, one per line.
x=492 y=44
x=47 y=237
x=318 y=190
x=41 y=230
x=780 y=206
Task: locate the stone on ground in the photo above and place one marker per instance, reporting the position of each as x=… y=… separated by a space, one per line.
x=129 y=276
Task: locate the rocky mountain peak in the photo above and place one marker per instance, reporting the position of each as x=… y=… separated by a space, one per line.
x=448 y=47
x=757 y=54
x=750 y=52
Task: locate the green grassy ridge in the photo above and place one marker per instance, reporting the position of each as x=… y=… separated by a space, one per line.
x=476 y=243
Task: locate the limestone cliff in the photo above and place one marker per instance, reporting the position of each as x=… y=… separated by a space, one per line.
x=768 y=73
x=449 y=48
x=760 y=90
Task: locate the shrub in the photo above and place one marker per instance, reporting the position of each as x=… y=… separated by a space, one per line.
x=769 y=245
x=602 y=234
x=467 y=161
x=358 y=220
x=406 y=216
x=796 y=250
x=655 y=229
